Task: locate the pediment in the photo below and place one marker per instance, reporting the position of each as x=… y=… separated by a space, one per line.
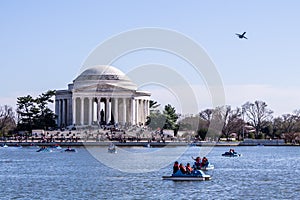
x=101 y=88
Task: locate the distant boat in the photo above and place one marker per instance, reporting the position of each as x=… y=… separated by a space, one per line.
x=70 y=150
x=58 y=148
x=231 y=154
x=112 y=148
x=44 y=149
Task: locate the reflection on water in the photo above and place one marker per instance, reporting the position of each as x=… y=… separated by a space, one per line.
x=261 y=173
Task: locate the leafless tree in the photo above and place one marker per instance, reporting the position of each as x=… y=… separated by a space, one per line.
x=258 y=115
x=232 y=122
x=7 y=119
x=206 y=115
x=287 y=125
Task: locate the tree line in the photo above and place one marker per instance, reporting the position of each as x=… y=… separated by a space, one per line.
x=31 y=113
x=251 y=120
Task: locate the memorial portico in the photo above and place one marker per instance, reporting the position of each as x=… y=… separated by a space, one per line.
x=101 y=95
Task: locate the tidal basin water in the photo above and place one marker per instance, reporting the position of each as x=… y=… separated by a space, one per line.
x=260 y=173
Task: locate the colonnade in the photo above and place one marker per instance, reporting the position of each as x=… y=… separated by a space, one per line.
x=101 y=110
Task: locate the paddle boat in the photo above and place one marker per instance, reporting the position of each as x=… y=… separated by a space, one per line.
x=70 y=150
x=231 y=154
x=44 y=149
x=112 y=148
x=204 y=165
x=208 y=167
x=196 y=175
x=57 y=147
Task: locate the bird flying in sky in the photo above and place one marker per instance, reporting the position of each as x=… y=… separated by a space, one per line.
x=241 y=36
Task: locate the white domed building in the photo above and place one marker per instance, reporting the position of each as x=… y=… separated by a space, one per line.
x=101 y=95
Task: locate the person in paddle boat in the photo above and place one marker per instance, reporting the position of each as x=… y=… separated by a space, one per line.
x=197 y=163
x=182 y=168
x=175 y=167
x=188 y=168
x=181 y=171
x=204 y=162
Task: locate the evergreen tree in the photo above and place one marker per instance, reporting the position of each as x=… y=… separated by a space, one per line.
x=171 y=117
x=34 y=113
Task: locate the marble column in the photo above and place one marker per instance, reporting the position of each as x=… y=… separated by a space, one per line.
x=132 y=111
x=116 y=110
x=124 y=111
x=90 y=110
x=98 y=109
x=63 y=113
x=57 y=110
x=74 y=110
x=68 y=122
x=137 y=112
x=109 y=110
x=82 y=110
x=106 y=111
x=59 y=114
x=145 y=111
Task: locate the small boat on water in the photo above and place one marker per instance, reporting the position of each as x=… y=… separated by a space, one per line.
x=208 y=167
x=231 y=154
x=70 y=150
x=44 y=149
x=196 y=175
x=58 y=148
x=112 y=148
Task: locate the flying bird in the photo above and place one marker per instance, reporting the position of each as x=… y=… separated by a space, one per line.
x=241 y=36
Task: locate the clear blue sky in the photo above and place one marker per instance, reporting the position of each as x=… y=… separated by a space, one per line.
x=44 y=43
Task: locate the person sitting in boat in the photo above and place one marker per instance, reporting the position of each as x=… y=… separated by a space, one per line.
x=182 y=168
x=188 y=168
x=197 y=163
x=204 y=162
x=231 y=151
x=175 y=167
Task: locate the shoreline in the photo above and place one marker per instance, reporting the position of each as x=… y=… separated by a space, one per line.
x=137 y=144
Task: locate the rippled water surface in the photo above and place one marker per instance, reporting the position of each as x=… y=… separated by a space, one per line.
x=261 y=173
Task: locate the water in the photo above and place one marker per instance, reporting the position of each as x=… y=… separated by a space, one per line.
x=261 y=173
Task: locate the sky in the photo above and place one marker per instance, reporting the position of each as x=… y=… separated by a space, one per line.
x=45 y=43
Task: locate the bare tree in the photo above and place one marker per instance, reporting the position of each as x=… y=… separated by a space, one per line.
x=7 y=119
x=212 y=122
x=206 y=115
x=232 y=121
x=258 y=115
x=288 y=125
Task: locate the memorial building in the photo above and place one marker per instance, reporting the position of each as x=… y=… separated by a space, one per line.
x=101 y=95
